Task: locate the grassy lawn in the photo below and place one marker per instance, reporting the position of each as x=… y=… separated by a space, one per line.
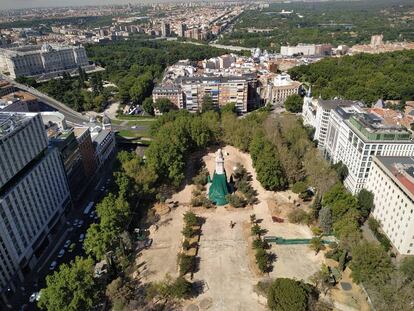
x=133 y=134
x=128 y=117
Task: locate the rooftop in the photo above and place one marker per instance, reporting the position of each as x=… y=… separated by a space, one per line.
x=373 y=127
x=334 y=103
x=11 y=121
x=401 y=170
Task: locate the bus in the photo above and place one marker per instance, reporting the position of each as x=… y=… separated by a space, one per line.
x=88 y=208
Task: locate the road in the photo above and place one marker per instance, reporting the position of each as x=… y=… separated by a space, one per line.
x=71 y=115
x=33 y=282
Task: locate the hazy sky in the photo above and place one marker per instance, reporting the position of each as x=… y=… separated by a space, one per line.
x=18 y=4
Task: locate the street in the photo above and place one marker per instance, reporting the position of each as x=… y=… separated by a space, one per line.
x=71 y=230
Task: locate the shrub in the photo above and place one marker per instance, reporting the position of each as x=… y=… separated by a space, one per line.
x=299 y=187
x=236 y=200
x=186 y=264
x=298 y=216
x=186 y=245
x=262 y=260
x=190 y=219
x=201 y=178
x=188 y=231
x=259 y=243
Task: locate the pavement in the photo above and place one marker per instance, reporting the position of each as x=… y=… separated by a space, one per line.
x=36 y=280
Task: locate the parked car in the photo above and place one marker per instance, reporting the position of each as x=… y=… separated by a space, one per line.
x=53 y=265
x=61 y=253
x=75 y=222
x=67 y=243
x=81 y=237
x=33 y=297
x=80 y=223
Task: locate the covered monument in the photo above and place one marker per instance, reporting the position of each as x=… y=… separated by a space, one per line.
x=218 y=187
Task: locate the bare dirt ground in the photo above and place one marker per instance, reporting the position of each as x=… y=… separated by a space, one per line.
x=161 y=258
x=226 y=264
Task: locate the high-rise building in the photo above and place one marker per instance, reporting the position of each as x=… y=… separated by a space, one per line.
x=391 y=179
x=354 y=137
x=165 y=29
x=33 y=194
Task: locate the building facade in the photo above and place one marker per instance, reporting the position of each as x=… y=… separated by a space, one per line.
x=316 y=113
x=171 y=92
x=281 y=87
x=37 y=60
x=391 y=179
x=33 y=195
x=87 y=150
x=354 y=137
x=222 y=90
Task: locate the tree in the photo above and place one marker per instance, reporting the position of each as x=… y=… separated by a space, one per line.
x=298 y=216
x=148 y=106
x=316 y=244
x=207 y=103
x=262 y=260
x=293 y=103
x=163 y=105
x=71 y=288
x=341 y=169
x=325 y=219
x=407 y=268
x=228 y=108
x=321 y=279
x=266 y=162
x=370 y=264
x=299 y=187
x=169 y=288
x=365 y=202
x=114 y=213
x=288 y=295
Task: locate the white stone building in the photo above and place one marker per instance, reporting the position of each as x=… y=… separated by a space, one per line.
x=33 y=194
x=391 y=179
x=35 y=60
x=281 y=86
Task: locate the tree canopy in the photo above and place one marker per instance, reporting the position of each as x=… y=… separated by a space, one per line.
x=71 y=288
x=293 y=103
x=288 y=295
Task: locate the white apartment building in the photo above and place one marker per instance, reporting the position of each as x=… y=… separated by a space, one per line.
x=391 y=179
x=35 y=60
x=316 y=113
x=33 y=194
x=354 y=137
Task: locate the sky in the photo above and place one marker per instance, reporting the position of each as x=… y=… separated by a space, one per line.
x=18 y=4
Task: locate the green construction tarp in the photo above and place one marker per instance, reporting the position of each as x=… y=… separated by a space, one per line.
x=218 y=189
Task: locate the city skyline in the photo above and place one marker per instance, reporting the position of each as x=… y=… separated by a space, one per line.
x=28 y=4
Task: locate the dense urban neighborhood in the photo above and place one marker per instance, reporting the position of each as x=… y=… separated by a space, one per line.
x=197 y=156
